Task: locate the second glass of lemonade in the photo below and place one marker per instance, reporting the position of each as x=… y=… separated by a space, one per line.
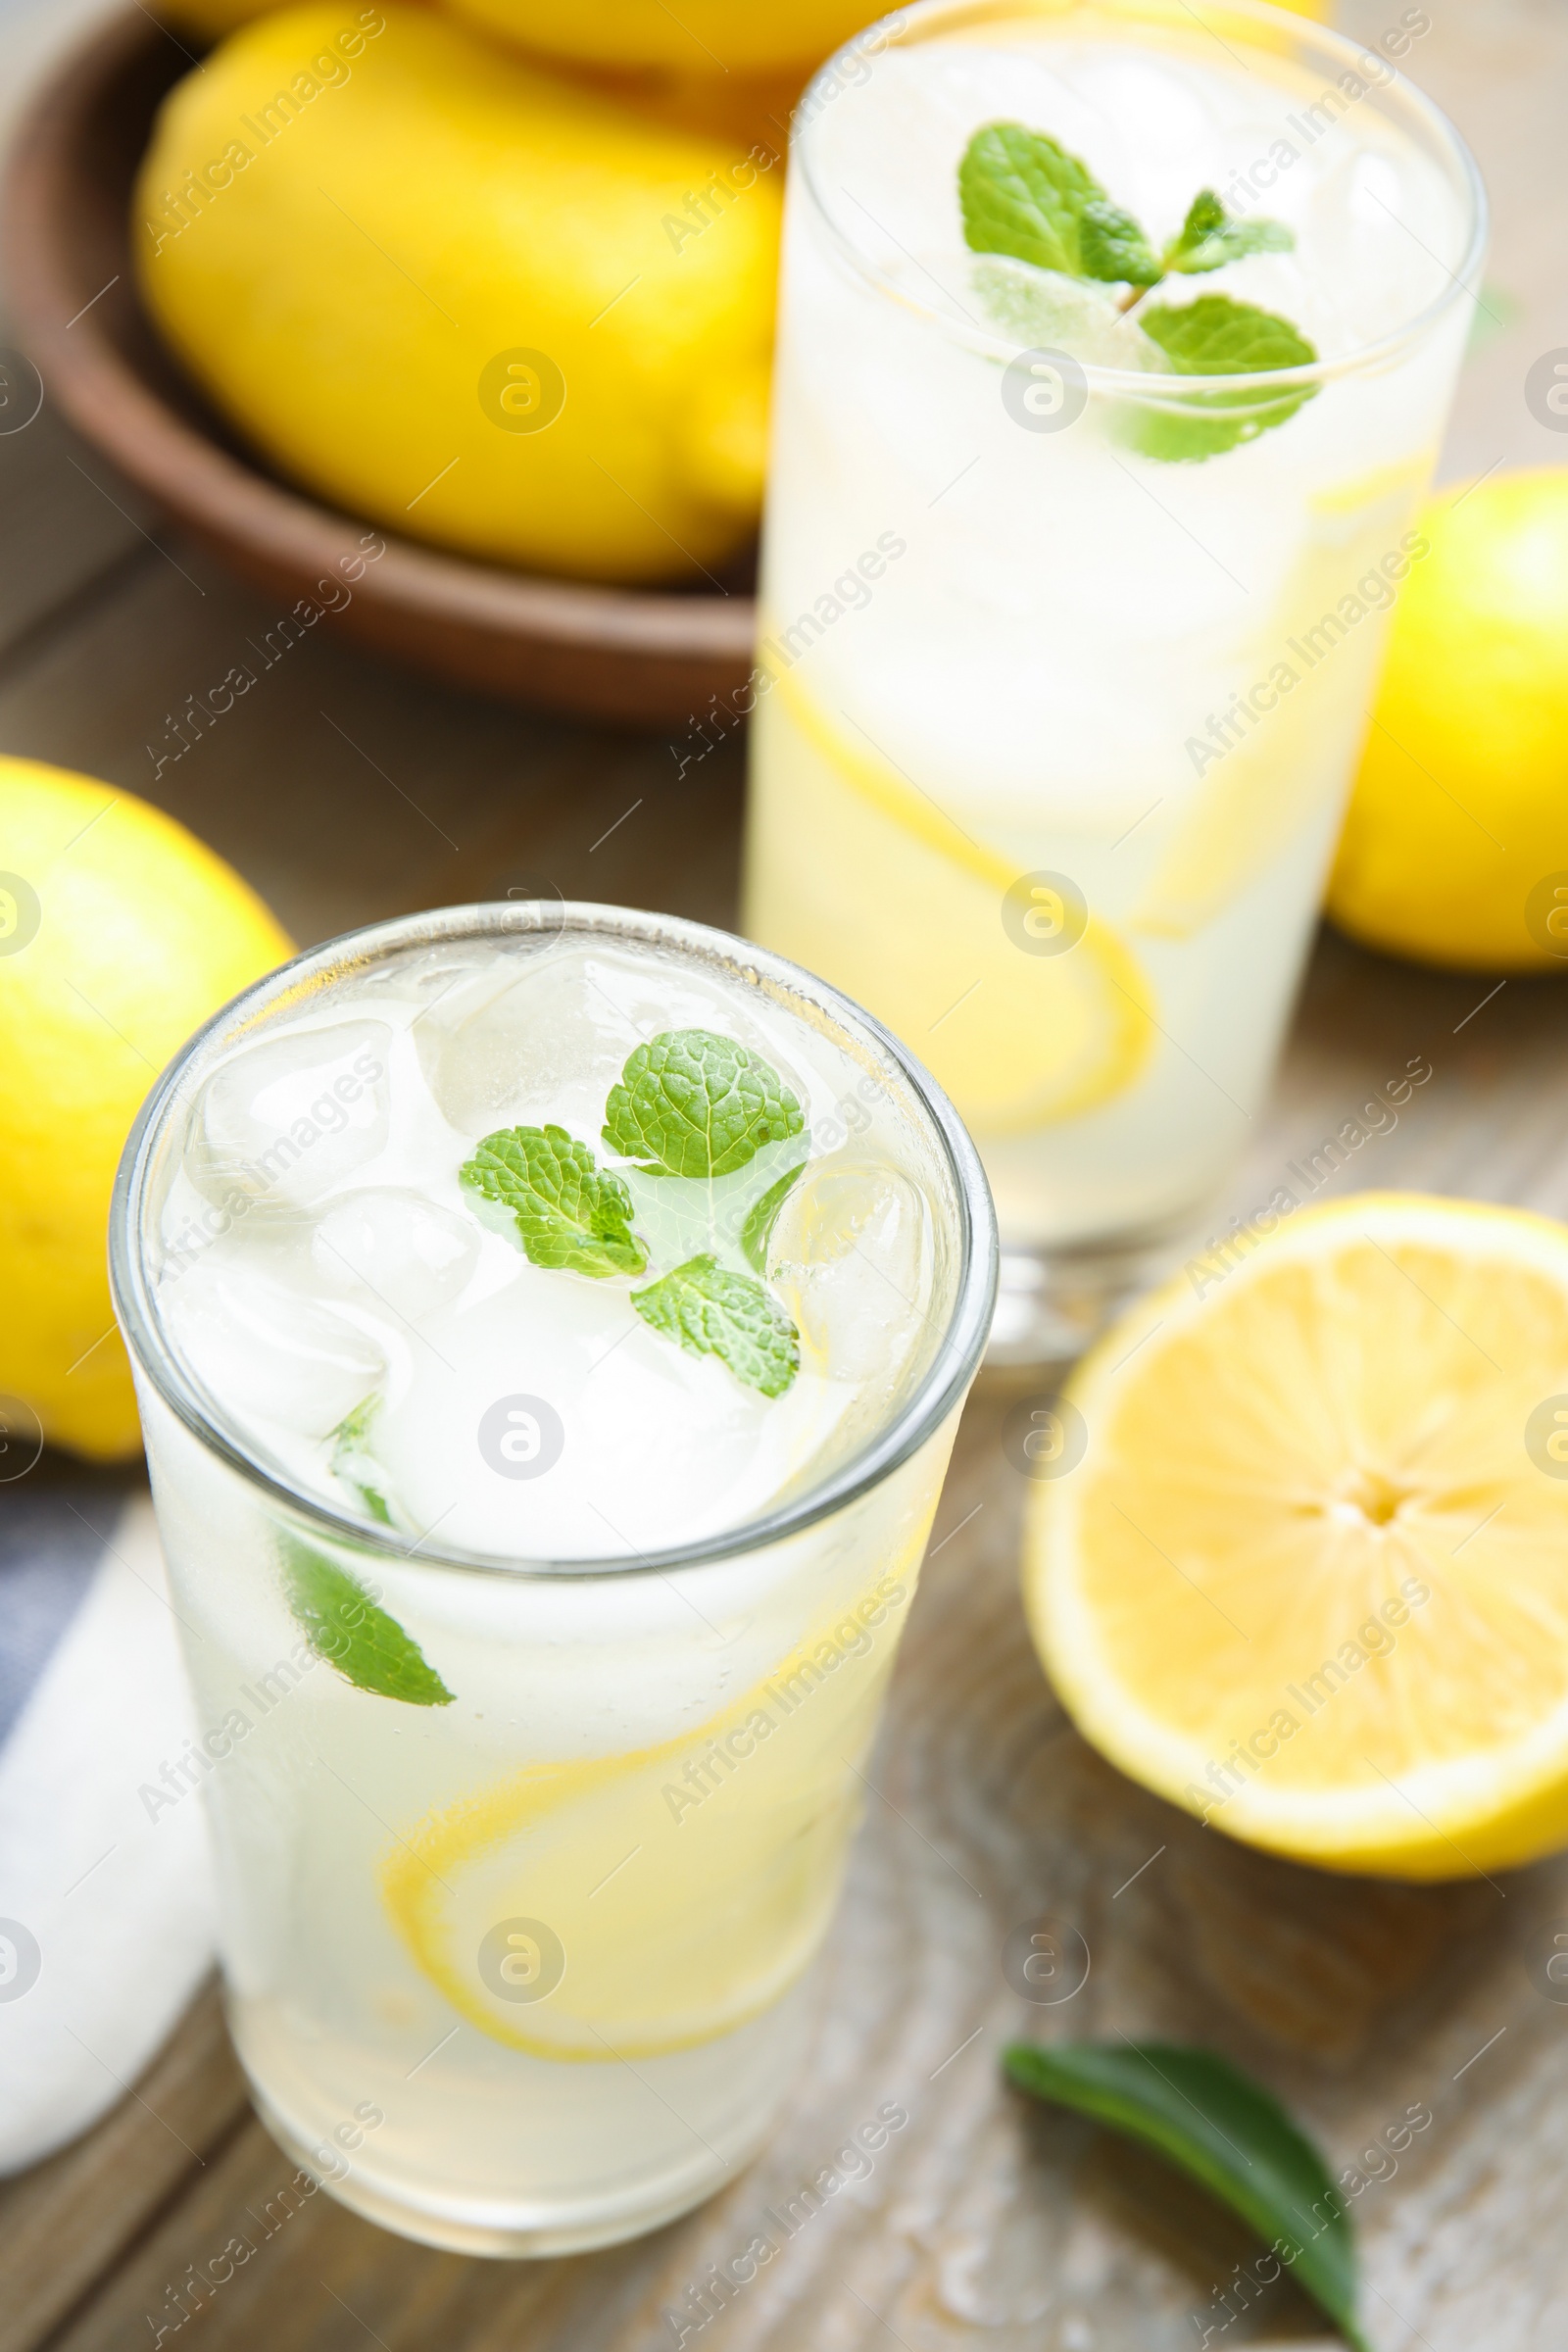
x=1117 y=339
x=550 y=1327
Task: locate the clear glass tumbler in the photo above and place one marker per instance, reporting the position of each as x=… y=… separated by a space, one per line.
x=524 y=1972
x=1066 y=656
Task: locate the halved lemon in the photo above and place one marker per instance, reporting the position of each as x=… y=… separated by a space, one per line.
x=627 y=1905
x=859 y=874
x=1309 y=1578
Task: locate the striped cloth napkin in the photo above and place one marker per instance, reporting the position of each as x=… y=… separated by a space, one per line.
x=106 y=1900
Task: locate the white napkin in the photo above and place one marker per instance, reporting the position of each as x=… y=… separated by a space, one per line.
x=106 y=1901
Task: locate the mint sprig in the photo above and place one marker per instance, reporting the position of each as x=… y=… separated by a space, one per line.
x=690 y=1111
x=693 y=1104
x=344 y=1626
x=710 y=1311
x=571 y=1215
x=1022 y=195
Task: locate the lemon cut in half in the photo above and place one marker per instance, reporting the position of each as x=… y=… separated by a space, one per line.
x=1309 y=1577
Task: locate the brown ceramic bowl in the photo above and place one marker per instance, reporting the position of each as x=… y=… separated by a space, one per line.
x=632 y=656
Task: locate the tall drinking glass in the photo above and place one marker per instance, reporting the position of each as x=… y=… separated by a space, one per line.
x=1095 y=471
x=550 y=1327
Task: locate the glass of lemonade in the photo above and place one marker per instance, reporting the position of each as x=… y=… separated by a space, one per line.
x=550 y=1326
x=1117 y=338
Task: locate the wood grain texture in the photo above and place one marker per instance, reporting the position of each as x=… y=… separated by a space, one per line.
x=349 y=789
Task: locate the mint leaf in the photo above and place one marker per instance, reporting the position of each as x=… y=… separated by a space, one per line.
x=1224 y=2130
x=1113 y=248
x=713 y=1312
x=570 y=1214
x=761 y=1217
x=1209 y=237
x=692 y=1103
x=1022 y=194
x=344 y=1626
x=1217 y=336
x=353 y=1463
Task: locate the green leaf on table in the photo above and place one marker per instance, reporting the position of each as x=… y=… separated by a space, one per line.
x=1022 y=194
x=710 y=1311
x=354 y=1466
x=761 y=1217
x=570 y=1214
x=692 y=1103
x=1210 y=237
x=349 y=1630
x=1217 y=336
x=1225 y=2132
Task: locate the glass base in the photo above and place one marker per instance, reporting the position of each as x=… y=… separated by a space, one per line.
x=1053 y=1304
x=430 y=2226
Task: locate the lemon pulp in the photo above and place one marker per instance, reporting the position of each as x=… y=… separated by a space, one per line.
x=1308 y=1579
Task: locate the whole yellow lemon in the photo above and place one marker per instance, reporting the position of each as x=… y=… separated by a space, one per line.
x=119 y=935
x=482 y=305
x=1455 y=847
x=699 y=36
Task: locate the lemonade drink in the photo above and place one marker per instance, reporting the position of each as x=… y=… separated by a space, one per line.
x=549 y=1335
x=1065 y=663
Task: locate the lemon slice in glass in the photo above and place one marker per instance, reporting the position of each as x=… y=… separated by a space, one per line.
x=1308 y=1578
x=1024 y=1006
x=629 y=1906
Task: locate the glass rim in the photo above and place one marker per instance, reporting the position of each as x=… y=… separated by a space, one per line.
x=941 y=1385
x=1155 y=388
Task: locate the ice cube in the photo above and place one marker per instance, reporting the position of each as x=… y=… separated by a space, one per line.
x=547 y=1421
x=408 y=1252
x=281 y=1126
x=267 y=1353
x=523 y=1040
x=849 y=1259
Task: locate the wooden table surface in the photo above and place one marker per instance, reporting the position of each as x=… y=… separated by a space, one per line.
x=346 y=793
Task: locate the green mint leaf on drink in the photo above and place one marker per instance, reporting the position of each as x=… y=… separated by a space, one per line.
x=1209 y=237
x=710 y=1311
x=353 y=1464
x=1217 y=336
x=570 y=1214
x=344 y=1626
x=1224 y=2130
x=1113 y=248
x=692 y=1103
x=1022 y=194
x=757 y=1231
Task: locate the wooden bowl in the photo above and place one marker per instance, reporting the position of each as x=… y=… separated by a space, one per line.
x=632 y=656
